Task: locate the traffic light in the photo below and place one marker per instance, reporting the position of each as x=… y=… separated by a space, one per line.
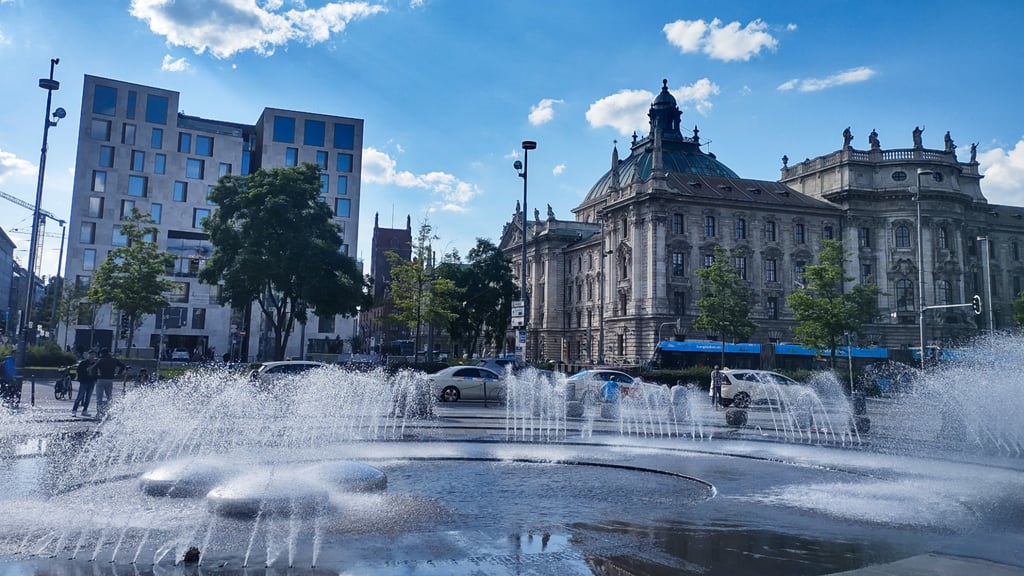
x=976 y=304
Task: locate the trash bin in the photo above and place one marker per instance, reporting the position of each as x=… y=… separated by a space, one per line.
x=10 y=392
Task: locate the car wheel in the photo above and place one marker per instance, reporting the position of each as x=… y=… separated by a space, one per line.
x=450 y=394
x=741 y=400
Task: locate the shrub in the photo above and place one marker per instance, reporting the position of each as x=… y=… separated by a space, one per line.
x=49 y=353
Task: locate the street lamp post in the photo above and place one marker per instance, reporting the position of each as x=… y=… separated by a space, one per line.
x=48 y=84
x=523 y=169
x=986 y=262
x=920 y=266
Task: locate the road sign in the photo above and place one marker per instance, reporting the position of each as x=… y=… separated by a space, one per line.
x=517 y=322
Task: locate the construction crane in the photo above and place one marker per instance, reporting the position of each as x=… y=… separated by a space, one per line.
x=41 y=229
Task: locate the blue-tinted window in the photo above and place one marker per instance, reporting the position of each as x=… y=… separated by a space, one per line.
x=156 y=212
x=100 y=130
x=160 y=164
x=156 y=109
x=344 y=163
x=137 y=186
x=194 y=168
x=185 y=143
x=325 y=183
x=245 y=162
x=118 y=238
x=314 y=133
x=198 y=215
x=107 y=156
x=342 y=184
x=87 y=233
x=138 y=161
x=104 y=100
x=284 y=129
x=344 y=136
x=291 y=157
x=132 y=98
x=204 y=146
x=99 y=181
x=181 y=191
x=157 y=141
x=342 y=207
x=128 y=134
x=321 y=159
x=224 y=170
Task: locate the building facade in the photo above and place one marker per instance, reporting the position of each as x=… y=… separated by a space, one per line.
x=376 y=327
x=607 y=286
x=136 y=151
x=8 y=305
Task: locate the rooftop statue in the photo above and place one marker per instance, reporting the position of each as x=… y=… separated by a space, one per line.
x=847 y=138
x=873 y=139
x=917 y=136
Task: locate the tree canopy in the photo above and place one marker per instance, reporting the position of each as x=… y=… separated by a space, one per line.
x=276 y=244
x=131 y=278
x=823 y=310
x=725 y=300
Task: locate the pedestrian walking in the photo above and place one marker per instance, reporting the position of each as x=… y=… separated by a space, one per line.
x=107 y=369
x=86 y=372
x=716 y=386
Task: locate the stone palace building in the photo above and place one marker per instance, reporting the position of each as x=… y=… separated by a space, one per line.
x=613 y=282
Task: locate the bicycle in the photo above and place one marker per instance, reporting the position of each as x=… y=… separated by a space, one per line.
x=62 y=387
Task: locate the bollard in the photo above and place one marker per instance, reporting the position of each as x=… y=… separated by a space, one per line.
x=33 y=390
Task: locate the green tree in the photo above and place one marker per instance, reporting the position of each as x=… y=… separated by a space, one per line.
x=725 y=300
x=1018 y=311
x=72 y=298
x=823 y=311
x=276 y=244
x=418 y=294
x=487 y=288
x=130 y=279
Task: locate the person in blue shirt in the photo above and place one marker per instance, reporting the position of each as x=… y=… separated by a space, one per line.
x=610 y=390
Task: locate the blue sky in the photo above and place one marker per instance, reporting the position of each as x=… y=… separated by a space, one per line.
x=449 y=88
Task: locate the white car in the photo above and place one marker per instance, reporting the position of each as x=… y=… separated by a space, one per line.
x=180 y=355
x=588 y=383
x=466 y=383
x=268 y=372
x=741 y=388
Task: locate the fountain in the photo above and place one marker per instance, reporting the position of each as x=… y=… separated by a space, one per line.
x=362 y=473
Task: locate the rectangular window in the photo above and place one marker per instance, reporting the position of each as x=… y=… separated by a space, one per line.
x=156 y=140
x=198 y=215
x=342 y=207
x=185 y=143
x=325 y=324
x=87 y=233
x=128 y=134
x=677 y=223
x=137 y=186
x=104 y=100
x=118 y=238
x=99 y=181
x=741 y=229
x=709 y=226
x=181 y=191
x=156 y=109
x=678 y=264
x=344 y=163
x=160 y=164
x=771 y=306
x=95 y=207
x=798 y=234
x=199 y=318
x=291 y=157
x=321 y=159
x=314 y=133
x=83 y=283
x=89 y=259
x=209 y=193
x=133 y=97
x=770 y=270
x=679 y=301
x=284 y=129
x=343 y=184
x=194 y=168
x=178 y=293
x=325 y=183
x=798 y=272
x=246 y=155
x=156 y=212
x=126 y=208
x=100 y=130
x=709 y=260
x=827 y=233
x=769 y=231
x=204 y=146
x=138 y=161
x=864 y=237
x=107 y=156
x=344 y=136
x=740 y=263
x=866 y=276
x=223 y=170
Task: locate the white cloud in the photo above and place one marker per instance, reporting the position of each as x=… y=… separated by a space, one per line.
x=171 y=65
x=558 y=169
x=454 y=194
x=226 y=27
x=626 y=110
x=1004 y=174
x=4 y=39
x=543 y=111
x=11 y=165
x=791 y=27
x=727 y=43
x=851 y=76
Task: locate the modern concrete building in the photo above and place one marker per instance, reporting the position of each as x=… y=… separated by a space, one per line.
x=135 y=150
x=607 y=286
x=8 y=306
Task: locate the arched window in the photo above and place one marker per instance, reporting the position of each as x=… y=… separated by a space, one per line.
x=902 y=237
x=943 y=293
x=904 y=295
x=942 y=238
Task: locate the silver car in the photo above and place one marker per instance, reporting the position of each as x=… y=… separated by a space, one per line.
x=741 y=388
x=466 y=383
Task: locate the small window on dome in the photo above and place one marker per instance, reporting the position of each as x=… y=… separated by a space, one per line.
x=937 y=176
x=899 y=176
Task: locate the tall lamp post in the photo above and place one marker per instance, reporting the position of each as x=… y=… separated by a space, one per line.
x=986 y=254
x=523 y=168
x=48 y=84
x=920 y=266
